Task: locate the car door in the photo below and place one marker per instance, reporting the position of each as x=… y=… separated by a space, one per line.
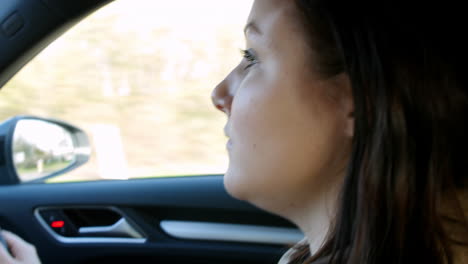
x=120 y=218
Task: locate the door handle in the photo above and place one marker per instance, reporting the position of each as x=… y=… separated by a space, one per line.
x=120 y=229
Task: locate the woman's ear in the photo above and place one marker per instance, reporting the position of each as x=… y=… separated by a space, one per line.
x=346 y=102
x=349 y=129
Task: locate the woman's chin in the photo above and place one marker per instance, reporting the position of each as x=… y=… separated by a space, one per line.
x=233 y=186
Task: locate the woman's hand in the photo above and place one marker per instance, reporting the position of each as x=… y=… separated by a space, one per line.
x=21 y=251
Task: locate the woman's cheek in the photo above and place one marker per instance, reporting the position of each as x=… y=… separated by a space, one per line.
x=242 y=132
x=253 y=121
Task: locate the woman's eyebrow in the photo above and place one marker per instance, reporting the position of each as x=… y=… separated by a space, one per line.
x=252 y=26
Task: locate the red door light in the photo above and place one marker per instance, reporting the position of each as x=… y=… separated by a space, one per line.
x=57 y=224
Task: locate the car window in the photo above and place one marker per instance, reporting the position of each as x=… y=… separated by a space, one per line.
x=137 y=77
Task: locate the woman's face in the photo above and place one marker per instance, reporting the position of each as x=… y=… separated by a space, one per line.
x=289 y=129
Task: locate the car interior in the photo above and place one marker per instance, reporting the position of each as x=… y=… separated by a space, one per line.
x=154 y=220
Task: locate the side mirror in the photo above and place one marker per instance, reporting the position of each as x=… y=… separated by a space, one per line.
x=33 y=149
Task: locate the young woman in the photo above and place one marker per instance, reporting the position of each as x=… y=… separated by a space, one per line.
x=350 y=119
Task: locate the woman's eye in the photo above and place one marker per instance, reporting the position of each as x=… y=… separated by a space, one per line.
x=250 y=57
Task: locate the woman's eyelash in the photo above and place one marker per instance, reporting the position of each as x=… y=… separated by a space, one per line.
x=250 y=57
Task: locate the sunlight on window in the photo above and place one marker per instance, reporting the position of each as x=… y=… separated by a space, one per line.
x=137 y=77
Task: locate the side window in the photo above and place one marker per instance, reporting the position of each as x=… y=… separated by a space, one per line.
x=137 y=77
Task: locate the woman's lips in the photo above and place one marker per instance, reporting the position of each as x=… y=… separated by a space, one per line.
x=229 y=144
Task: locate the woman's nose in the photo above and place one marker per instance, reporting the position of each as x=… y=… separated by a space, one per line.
x=221 y=97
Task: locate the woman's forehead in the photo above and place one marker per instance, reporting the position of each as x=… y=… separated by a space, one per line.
x=265 y=9
x=273 y=16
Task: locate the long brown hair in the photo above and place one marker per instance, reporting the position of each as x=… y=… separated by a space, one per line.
x=406 y=66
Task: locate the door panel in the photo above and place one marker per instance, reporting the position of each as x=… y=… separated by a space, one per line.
x=144 y=204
